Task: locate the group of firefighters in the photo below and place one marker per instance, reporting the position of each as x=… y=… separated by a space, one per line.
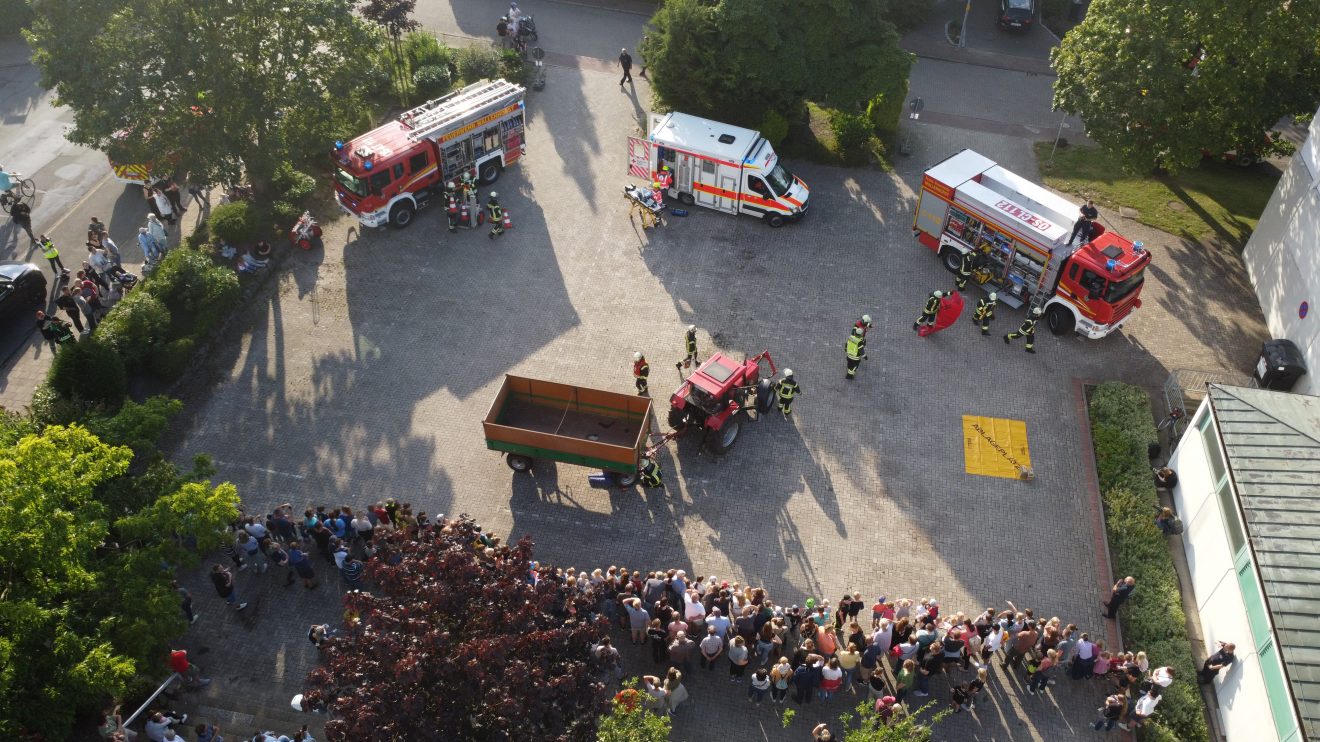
x=786 y=389
x=462 y=207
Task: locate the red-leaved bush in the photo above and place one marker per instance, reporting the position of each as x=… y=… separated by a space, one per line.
x=458 y=644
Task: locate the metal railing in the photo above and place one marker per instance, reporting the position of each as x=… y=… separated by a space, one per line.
x=168 y=681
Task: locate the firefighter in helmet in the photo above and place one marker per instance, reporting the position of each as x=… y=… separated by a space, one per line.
x=451 y=204
x=864 y=323
x=855 y=349
x=650 y=472
x=929 y=311
x=787 y=390
x=966 y=264
x=690 y=346
x=1027 y=330
x=641 y=372
x=985 y=311
x=496 y=213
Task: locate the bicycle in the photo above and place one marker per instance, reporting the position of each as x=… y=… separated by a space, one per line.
x=21 y=189
x=1175 y=415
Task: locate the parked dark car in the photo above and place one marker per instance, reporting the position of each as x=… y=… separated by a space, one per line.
x=1018 y=14
x=22 y=290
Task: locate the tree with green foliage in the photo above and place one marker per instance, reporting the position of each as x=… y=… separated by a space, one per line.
x=395 y=18
x=1161 y=84
x=902 y=726
x=232 y=89
x=736 y=59
x=85 y=572
x=629 y=720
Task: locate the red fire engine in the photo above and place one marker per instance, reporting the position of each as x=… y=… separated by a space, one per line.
x=387 y=174
x=1019 y=231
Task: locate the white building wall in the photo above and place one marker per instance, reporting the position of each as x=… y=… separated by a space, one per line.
x=1282 y=259
x=1244 y=707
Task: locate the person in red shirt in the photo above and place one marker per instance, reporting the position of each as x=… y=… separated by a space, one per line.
x=189 y=672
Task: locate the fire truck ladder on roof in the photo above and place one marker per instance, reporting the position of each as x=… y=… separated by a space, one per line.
x=437 y=115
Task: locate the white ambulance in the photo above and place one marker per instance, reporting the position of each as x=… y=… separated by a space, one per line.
x=719 y=166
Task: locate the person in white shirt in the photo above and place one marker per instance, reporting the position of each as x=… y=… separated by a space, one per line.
x=719 y=622
x=157 y=231
x=1162 y=676
x=159 y=723
x=1144 y=707
x=711 y=648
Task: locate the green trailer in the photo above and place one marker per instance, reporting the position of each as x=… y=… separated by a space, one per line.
x=533 y=419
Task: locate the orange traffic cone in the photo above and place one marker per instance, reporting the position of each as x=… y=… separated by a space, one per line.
x=507 y=222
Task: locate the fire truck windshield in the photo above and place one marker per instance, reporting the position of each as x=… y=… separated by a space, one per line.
x=780 y=180
x=350 y=182
x=1119 y=290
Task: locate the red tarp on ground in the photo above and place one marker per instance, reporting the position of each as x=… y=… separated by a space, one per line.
x=951 y=308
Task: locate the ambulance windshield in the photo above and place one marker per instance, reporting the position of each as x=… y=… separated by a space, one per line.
x=780 y=180
x=350 y=182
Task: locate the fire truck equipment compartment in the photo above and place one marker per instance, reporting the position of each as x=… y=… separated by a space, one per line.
x=996 y=447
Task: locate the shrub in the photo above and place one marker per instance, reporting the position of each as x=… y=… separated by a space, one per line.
x=89 y=370
x=884 y=111
x=851 y=131
x=1121 y=428
x=49 y=407
x=234 y=223
x=774 y=127
x=476 y=63
x=431 y=80
x=292 y=185
x=285 y=214
x=512 y=66
x=171 y=359
x=200 y=236
x=423 y=49
x=135 y=326
x=197 y=291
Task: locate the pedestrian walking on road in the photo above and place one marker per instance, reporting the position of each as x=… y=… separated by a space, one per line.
x=690 y=347
x=223 y=580
x=641 y=372
x=787 y=390
x=158 y=232
x=855 y=350
x=21 y=213
x=985 y=311
x=928 y=312
x=625 y=62
x=1027 y=330
x=1118 y=595
x=52 y=253
x=191 y=674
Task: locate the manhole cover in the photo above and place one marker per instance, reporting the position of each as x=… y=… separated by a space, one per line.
x=1177 y=206
x=1128 y=213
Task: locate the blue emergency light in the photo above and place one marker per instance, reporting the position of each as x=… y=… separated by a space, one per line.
x=366 y=165
x=339 y=144
x=1138 y=247
x=1110 y=264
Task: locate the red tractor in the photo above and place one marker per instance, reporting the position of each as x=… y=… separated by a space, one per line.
x=716 y=397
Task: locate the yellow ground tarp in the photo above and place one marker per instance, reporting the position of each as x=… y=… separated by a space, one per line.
x=995 y=447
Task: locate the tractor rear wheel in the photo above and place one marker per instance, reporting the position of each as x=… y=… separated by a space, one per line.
x=720 y=441
x=518 y=462
x=765 y=396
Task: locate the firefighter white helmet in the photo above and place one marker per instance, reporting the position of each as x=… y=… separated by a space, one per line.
x=788 y=373
x=866 y=319
x=637 y=356
x=692 y=328
x=994 y=296
x=451 y=185
x=493 y=194
x=937 y=294
x=1036 y=312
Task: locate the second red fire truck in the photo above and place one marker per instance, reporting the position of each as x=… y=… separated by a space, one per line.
x=1020 y=232
x=384 y=176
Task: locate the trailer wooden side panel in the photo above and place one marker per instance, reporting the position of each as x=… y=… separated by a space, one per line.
x=590 y=427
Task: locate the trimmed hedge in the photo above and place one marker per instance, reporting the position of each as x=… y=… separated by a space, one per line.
x=134 y=327
x=89 y=370
x=1153 y=620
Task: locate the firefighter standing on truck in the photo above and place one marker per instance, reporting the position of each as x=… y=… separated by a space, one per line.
x=929 y=311
x=787 y=389
x=496 y=215
x=985 y=311
x=690 y=346
x=641 y=371
x=856 y=350
x=650 y=473
x=1027 y=330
